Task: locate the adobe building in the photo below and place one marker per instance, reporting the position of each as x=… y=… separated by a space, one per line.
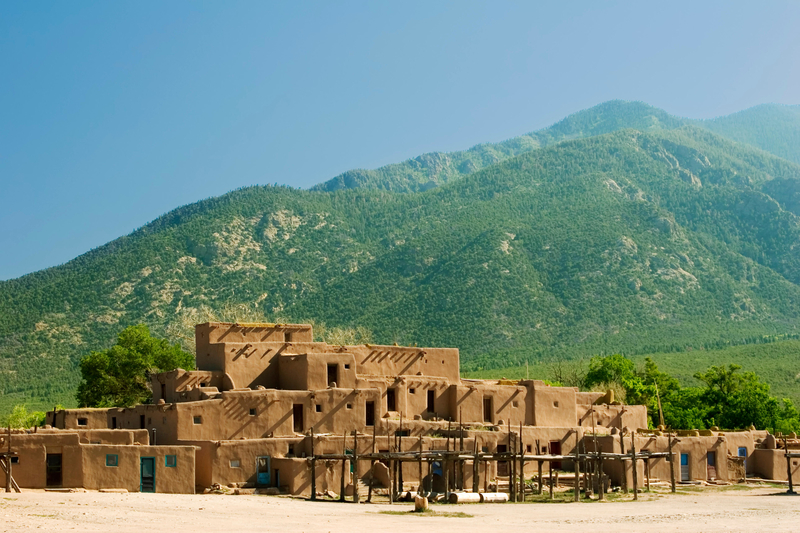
x=266 y=398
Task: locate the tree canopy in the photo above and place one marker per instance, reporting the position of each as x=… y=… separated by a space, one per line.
x=120 y=375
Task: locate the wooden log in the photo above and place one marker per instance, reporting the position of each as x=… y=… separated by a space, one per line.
x=313 y=469
x=476 y=469
x=577 y=468
x=419 y=466
x=355 y=466
x=540 y=477
x=521 y=493
x=635 y=469
x=624 y=464
x=8 y=461
x=788 y=467
x=550 y=478
x=371 y=466
x=647 y=472
x=671 y=463
x=344 y=465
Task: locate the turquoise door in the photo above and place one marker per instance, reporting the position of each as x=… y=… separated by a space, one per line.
x=684 y=467
x=743 y=453
x=262 y=471
x=148 y=474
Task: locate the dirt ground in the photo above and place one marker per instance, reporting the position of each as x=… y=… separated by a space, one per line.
x=734 y=509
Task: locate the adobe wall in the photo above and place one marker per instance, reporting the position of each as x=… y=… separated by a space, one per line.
x=310 y=371
x=509 y=403
x=179 y=382
x=32 y=450
x=219 y=332
x=633 y=417
x=553 y=406
x=126 y=475
x=771 y=464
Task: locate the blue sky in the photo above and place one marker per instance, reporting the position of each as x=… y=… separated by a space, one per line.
x=114 y=113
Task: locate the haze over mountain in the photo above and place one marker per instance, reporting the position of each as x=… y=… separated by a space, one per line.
x=621 y=228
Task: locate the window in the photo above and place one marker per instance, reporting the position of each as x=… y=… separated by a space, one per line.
x=170 y=461
x=235 y=463
x=287 y=336
x=349 y=405
x=113 y=422
x=318 y=408
x=297 y=417
x=141 y=422
x=15 y=460
x=202 y=385
x=164 y=392
x=431 y=401
x=252 y=411
x=391 y=400
x=411 y=391
x=291 y=450
x=347 y=367
x=198 y=419
x=555 y=404
x=112 y=459
x=515 y=403
x=83 y=422
x=529 y=448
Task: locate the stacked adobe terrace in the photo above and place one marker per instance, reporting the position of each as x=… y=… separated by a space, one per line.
x=268 y=406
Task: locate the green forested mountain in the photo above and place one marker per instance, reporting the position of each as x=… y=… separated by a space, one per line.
x=634 y=241
x=771 y=127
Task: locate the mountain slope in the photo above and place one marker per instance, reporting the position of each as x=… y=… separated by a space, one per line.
x=436 y=168
x=774 y=128
x=624 y=241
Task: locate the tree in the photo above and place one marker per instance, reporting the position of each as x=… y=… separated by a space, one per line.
x=20 y=418
x=120 y=375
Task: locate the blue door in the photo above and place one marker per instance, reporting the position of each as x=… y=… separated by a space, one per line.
x=262 y=471
x=148 y=474
x=684 y=467
x=743 y=453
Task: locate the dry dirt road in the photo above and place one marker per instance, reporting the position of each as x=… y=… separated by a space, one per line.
x=761 y=509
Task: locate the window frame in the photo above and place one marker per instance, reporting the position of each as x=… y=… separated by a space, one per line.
x=112 y=463
x=174 y=461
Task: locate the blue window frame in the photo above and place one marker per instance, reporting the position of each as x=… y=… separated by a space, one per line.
x=112 y=459
x=170 y=461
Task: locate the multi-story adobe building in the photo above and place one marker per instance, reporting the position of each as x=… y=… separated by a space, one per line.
x=263 y=392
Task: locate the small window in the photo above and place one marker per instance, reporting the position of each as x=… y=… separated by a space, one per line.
x=349 y=405
x=318 y=408
x=555 y=404
x=412 y=391
x=235 y=463
x=484 y=449
x=15 y=461
x=112 y=459
x=170 y=461
x=291 y=450
x=198 y=419
x=202 y=385
x=83 y=421
x=529 y=448
x=515 y=403
x=252 y=411
x=347 y=366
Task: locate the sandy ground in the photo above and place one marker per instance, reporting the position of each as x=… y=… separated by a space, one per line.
x=760 y=509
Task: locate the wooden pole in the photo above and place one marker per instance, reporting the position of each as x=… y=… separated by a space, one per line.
x=647 y=473
x=371 y=466
x=577 y=469
x=671 y=463
x=400 y=481
x=313 y=468
x=550 y=480
x=419 y=466
x=476 y=468
x=635 y=470
x=512 y=482
x=355 y=466
x=8 y=460
x=344 y=465
x=624 y=463
x=521 y=493
x=785 y=449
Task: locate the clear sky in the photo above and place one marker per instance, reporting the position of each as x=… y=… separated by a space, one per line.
x=113 y=113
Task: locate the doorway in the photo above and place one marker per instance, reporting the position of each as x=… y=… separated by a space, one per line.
x=555 y=449
x=684 y=467
x=487 y=410
x=431 y=406
x=53 y=463
x=502 y=466
x=147 y=470
x=263 y=478
x=711 y=465
x=743 y=453
x=333 y=375
x=391 y=400
x=370 y=412
x=297 y=417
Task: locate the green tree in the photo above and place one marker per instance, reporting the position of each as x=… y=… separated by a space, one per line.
x=120 y=375
x=20 y=418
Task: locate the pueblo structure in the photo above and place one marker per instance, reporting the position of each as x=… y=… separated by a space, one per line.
x=270 y=408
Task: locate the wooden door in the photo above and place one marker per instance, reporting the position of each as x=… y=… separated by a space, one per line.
x=53 y=463
x=147 y=470
x=685 y=467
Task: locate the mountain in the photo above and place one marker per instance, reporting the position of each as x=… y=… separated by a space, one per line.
x=771 y=127
x=635 y=241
